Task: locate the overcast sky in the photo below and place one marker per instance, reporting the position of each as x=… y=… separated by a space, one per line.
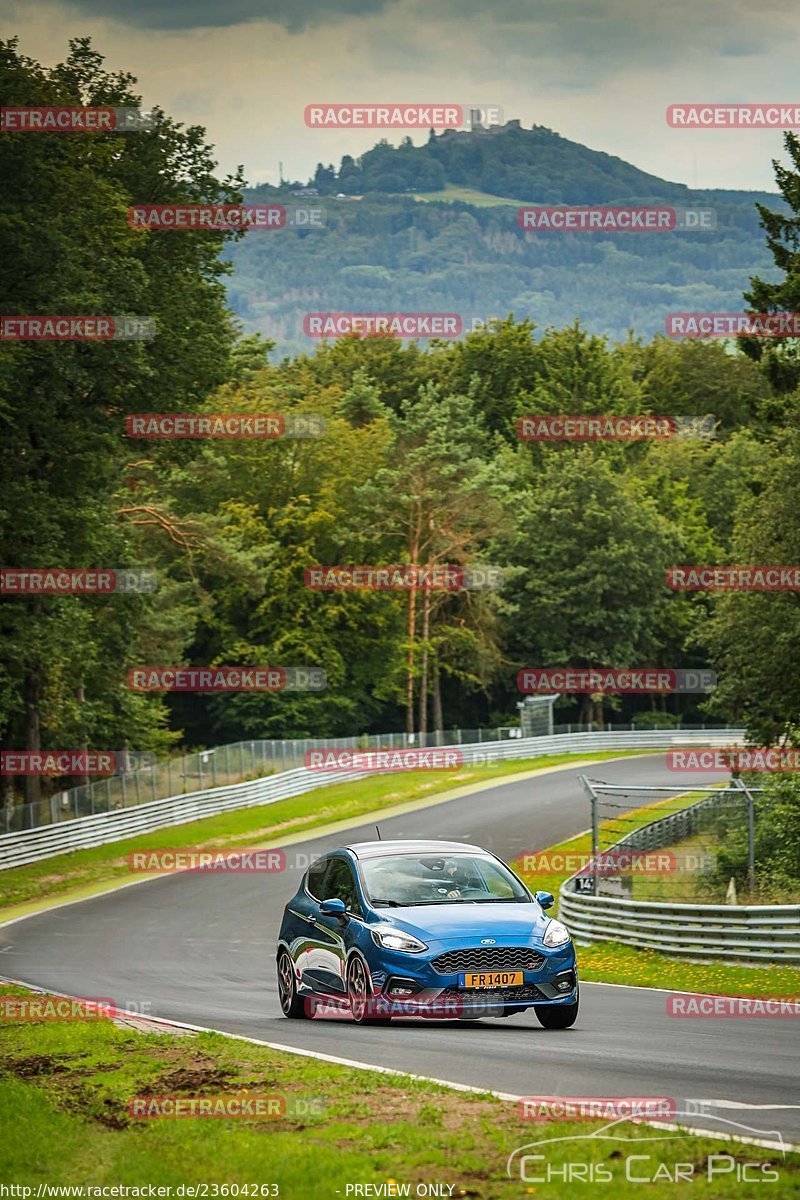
x=601 y=72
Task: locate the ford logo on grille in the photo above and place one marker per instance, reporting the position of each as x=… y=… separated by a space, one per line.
x=487 y=941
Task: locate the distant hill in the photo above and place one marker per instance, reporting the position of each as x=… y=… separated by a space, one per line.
x=434 y=228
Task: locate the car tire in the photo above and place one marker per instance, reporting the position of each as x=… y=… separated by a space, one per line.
x=359 y=991
x=557 y=1016
x=292 y=1005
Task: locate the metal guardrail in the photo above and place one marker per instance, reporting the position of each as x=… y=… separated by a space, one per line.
x=32 y=845
x=217 y=766
x=745 y=932
x=220 y=766
x=742 y=932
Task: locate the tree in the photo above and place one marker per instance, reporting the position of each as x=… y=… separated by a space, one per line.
x=63 y=201
x=439 y=501
x=594 y=550
x=754 y=637
x=780 y=357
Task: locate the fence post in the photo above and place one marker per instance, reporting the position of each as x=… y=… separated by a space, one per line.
x=595 y=834
x=751 y=834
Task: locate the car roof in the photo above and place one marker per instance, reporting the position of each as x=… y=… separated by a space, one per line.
x=378 y=849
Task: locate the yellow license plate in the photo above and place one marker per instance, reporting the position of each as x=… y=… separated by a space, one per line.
x=493 y=979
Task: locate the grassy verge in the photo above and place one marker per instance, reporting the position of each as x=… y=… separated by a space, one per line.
x=470 y=195
x=66 y=1088
x=611 y=962
x=685 y=884
x=580 y=846
x=81 y=869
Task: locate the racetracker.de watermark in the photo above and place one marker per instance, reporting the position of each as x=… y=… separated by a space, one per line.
x=391 y=115
x=66 y=328
x=735 y=758
x=605 y=1108
x=225 y=862
x=387 y=324
x=440 y=578
x=434 y=759
x=77 y=119
x=690 y=1005
x=73 y=762
x=56 y=1008
x=590 y=680
x=224 y=218
x=247 y=1106
x=733 y=116
x=53 y=581
x=225 y=425
x=227 y=679
x=611 y=428
x=602 y=218
x=612 y=862
x=441 y=1007
x=731 y=324
x=733 y=579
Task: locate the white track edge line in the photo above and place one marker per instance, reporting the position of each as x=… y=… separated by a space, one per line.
x=510 y=1097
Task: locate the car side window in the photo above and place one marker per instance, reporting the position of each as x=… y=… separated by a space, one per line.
x=315 y=878
x=340 y=884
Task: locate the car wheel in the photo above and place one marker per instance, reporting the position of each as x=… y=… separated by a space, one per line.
x=292 y=1005
x=557 y=1016
x=359 y=993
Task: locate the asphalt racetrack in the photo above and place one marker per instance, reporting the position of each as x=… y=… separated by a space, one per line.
x=199 y=948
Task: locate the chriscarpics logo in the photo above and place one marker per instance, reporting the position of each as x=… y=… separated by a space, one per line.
x=626 y=1151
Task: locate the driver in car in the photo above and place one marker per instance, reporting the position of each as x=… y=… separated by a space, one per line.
x=455 y=878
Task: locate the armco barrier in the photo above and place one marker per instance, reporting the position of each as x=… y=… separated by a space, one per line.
x=742 y=932
x=31 y=845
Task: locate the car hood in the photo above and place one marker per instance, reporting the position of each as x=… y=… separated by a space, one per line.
x=442 y=922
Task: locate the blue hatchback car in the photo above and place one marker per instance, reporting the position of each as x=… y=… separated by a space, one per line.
x=423 y=928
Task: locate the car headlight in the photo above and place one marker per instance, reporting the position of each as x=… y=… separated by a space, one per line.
x=556 y=934
x=395 y=939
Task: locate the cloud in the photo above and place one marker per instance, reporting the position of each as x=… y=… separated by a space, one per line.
x=600 y=73
x=293 y=15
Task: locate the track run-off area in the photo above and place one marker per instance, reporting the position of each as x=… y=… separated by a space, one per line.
x=199 y=948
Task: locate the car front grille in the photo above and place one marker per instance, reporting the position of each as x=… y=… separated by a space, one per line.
x=509 y=995
x=487 y=958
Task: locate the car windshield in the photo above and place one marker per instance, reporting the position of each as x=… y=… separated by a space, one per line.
x=409 y=879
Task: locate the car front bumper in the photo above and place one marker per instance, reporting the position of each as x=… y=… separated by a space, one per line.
x=409 y=985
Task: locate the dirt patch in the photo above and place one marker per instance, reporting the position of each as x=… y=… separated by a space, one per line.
x=195 y=1079
x=143 y=1025
x=109 y=1115
x=458 y=1111
x=33 y=1066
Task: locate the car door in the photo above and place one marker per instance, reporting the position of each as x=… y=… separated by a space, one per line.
x=303 y=911
x=325 y=960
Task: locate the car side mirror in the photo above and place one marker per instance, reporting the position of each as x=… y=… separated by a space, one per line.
x=546 y=899
x=333 y=908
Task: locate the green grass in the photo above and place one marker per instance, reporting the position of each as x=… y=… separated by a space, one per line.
x=686 y=886
x=609 y=833
x=612 y=962
x=65 y=1088
x=64 y=874
x=468 y=195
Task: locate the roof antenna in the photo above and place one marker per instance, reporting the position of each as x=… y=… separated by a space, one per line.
x=377 y=830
